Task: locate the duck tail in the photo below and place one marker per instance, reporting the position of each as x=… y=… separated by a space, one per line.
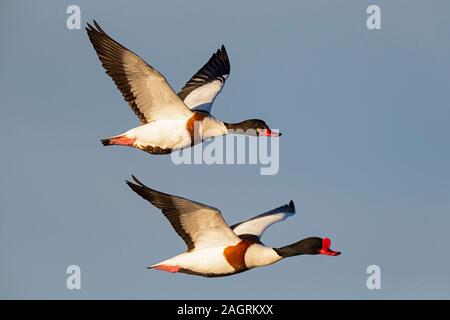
x=121 y=140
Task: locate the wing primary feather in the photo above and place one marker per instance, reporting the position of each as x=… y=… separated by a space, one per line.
x=162 y=201
x=199 y=225
x=258 y=224
x=145 y=90
x=202 y=88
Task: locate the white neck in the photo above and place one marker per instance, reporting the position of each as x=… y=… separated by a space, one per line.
x=211 y=127
x=258 y=255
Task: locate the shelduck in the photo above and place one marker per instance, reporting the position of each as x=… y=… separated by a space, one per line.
x=215 y=249
x=169 y=121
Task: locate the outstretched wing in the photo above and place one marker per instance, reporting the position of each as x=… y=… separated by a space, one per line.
x=201 y=90
x=199 y=225
x=143 y=87
x=257 y=225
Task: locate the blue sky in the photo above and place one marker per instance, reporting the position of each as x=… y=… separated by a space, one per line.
x=364 y=153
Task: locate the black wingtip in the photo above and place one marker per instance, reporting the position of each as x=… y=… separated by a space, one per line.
x=131 y=184
x=222 y=54
x=94 y=28
x=97 y=26
x=90 y=26
x=140 y=190
x=137 y=181
x=105 y=142
x=291 y=206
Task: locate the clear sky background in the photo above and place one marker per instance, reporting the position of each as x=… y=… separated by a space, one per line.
x=365 y=150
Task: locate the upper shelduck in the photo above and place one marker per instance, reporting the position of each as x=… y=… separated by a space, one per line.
x=169 y=121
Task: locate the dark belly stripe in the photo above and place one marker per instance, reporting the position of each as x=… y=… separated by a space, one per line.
x=156 y=150
x=208 y=275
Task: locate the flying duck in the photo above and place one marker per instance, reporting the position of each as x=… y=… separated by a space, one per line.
x=169 y=121
x=215 y=249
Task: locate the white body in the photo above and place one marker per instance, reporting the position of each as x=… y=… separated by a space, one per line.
x=210 y=260
x=172 y=134
x=166 y=134
x=213 y=261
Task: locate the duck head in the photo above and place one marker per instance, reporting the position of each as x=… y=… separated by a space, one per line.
x=312 y=245
x=252 y=127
